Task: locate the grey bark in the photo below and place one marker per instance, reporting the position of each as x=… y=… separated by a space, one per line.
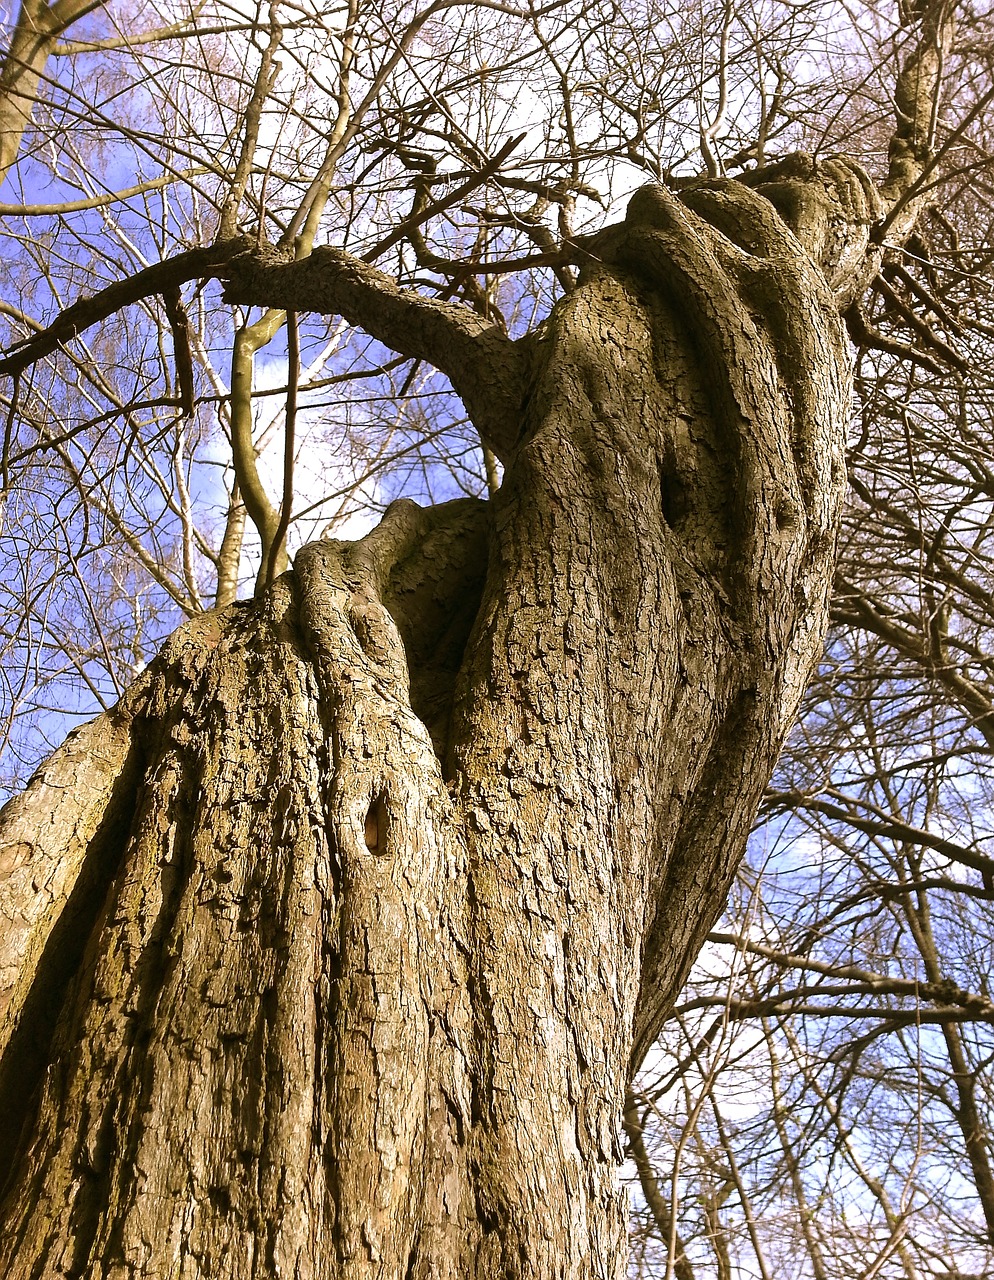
x=383 y=883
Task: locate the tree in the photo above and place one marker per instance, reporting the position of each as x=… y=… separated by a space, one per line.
x=332 y=947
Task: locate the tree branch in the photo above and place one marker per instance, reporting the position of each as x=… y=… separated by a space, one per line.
x=101 y=201
x=275 y=561
x=916 y=102
x=865 y=335
x=916 y=93
x=31 y=43
x=855 y=609
x=179 y=324
x=486 y=368
x=888 y=829
x=197 y=264
x=655 y=1201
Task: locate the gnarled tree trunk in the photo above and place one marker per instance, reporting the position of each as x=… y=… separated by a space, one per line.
x=334 y=946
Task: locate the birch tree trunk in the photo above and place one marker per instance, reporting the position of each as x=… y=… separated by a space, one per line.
x=332 y=949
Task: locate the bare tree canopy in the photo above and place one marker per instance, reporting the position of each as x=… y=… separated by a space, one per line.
x=333 y=945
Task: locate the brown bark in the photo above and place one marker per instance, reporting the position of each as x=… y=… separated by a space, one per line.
x=390 y=877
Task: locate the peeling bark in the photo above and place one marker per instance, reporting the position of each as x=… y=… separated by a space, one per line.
x=405 y=862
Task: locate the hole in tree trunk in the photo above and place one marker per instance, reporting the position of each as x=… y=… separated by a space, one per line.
x=672 y=499
x=374 y=831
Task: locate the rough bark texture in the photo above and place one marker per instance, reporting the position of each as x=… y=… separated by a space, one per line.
x=380 y=887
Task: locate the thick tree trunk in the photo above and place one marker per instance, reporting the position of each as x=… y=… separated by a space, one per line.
x=378 y=889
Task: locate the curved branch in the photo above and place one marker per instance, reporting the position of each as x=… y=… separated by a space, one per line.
x=889 y=829
x=486 y=367
x=197 y=264
x=35 y=32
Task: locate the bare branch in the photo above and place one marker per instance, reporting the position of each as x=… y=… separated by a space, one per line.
x=196 y=264
x=486 y=367
x=102 y=201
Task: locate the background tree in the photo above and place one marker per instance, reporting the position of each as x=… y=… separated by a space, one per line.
x=393 y=875
x=835 y=1041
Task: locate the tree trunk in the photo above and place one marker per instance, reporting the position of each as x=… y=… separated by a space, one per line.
x=32 y=42
x=338 y=941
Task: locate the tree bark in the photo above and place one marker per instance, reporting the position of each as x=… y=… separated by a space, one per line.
x=380 y=886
